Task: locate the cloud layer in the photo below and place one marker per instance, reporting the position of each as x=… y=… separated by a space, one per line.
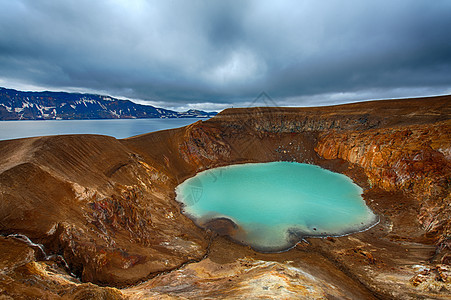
x=219 y=53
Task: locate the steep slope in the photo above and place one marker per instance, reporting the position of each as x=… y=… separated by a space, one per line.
x=91 y=200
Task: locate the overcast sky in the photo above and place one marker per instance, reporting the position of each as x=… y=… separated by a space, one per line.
x=214 y=54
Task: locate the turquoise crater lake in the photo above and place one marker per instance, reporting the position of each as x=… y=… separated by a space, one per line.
x=274 y=205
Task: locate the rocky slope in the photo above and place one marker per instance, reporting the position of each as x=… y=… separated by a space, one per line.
x=80 y=213
x=18 y=105
x=405 y=159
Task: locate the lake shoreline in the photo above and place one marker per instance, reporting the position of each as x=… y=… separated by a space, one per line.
x=199 y=193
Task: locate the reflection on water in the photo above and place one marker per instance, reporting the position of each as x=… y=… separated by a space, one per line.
x=121 y=128
x=272 y=206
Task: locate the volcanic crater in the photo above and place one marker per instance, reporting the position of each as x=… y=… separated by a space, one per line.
x=89 y=216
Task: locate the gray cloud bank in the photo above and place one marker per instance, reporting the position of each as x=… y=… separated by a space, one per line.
x=213 y=54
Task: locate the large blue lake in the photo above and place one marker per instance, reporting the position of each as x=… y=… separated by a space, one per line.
x=275 y=205
x=121 y=128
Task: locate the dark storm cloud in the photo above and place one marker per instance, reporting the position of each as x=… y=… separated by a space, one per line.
x=178 y=53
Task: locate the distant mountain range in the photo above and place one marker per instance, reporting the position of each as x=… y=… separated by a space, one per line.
x=18 y=105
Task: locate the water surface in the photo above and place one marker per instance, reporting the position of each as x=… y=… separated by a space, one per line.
x=274 y=205
x=118 y=128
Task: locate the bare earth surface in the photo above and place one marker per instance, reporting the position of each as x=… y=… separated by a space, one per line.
x=92 y=217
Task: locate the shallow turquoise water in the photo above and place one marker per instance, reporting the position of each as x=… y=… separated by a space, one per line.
x=276 y=204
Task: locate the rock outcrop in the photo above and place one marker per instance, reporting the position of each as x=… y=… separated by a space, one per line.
x=80 y=213
x=404 y=159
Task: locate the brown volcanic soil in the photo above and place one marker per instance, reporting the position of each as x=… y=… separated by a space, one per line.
x=104 y=209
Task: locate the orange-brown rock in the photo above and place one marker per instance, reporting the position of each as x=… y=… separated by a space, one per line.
x=413 y=159
x=97 y=204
